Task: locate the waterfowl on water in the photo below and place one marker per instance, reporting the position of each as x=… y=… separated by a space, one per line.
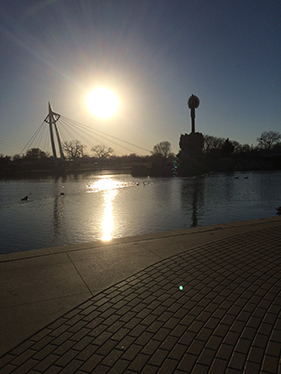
x=25 y=198
x=278 y=210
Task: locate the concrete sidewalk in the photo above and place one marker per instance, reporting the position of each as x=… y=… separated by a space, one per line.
x=196 y=300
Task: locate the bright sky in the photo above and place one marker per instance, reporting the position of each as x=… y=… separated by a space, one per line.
x=153 y=54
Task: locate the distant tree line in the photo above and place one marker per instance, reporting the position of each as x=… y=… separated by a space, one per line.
x=269 y=141
x=214 y=152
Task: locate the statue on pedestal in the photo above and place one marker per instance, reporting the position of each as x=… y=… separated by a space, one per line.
x=191 y=145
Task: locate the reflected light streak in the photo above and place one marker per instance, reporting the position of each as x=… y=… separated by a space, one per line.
x=107 y=223
x=109 y=188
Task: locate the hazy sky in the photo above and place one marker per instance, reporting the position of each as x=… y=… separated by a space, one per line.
x=154 y=54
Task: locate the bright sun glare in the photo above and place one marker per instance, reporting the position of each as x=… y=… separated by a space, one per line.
x=102 y=102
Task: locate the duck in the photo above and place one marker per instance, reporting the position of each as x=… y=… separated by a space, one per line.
x=278 y=210
x=25 y=198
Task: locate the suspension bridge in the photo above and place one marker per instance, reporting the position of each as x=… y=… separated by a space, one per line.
x=56 y=130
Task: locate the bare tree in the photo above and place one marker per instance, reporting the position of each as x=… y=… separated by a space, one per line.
x=212 y=142
x=241 y=148
x=74 y=149
x=101 y=151
x=35 y=154
x=162 y=149
x=268 y=139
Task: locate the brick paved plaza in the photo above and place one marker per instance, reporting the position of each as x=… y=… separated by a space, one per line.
x=215 y=308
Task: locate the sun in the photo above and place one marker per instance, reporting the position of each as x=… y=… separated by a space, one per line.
x=102 y=102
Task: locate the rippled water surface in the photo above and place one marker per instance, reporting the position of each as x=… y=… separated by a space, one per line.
x=86 y=208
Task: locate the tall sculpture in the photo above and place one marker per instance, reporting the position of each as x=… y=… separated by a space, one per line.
x=193 y=103
x=191 y=145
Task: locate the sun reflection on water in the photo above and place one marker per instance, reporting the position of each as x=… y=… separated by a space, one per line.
x=109 y=188
x=108 y=223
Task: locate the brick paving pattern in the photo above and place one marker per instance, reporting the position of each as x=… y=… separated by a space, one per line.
x=225 y=319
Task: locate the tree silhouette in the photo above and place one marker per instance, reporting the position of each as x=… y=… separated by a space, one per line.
x=268 y=139
x=35 y=154
x=101 y=151
x=212 y=142
x=227 y=148
x=162 y=149
x=74 y=149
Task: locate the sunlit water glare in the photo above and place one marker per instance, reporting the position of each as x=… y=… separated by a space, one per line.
x=92 y=207
x=109 y=188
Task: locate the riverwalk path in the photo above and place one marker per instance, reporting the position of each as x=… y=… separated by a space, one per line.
x=199 y=300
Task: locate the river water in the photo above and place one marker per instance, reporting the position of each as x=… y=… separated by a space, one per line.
x=83 y=208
